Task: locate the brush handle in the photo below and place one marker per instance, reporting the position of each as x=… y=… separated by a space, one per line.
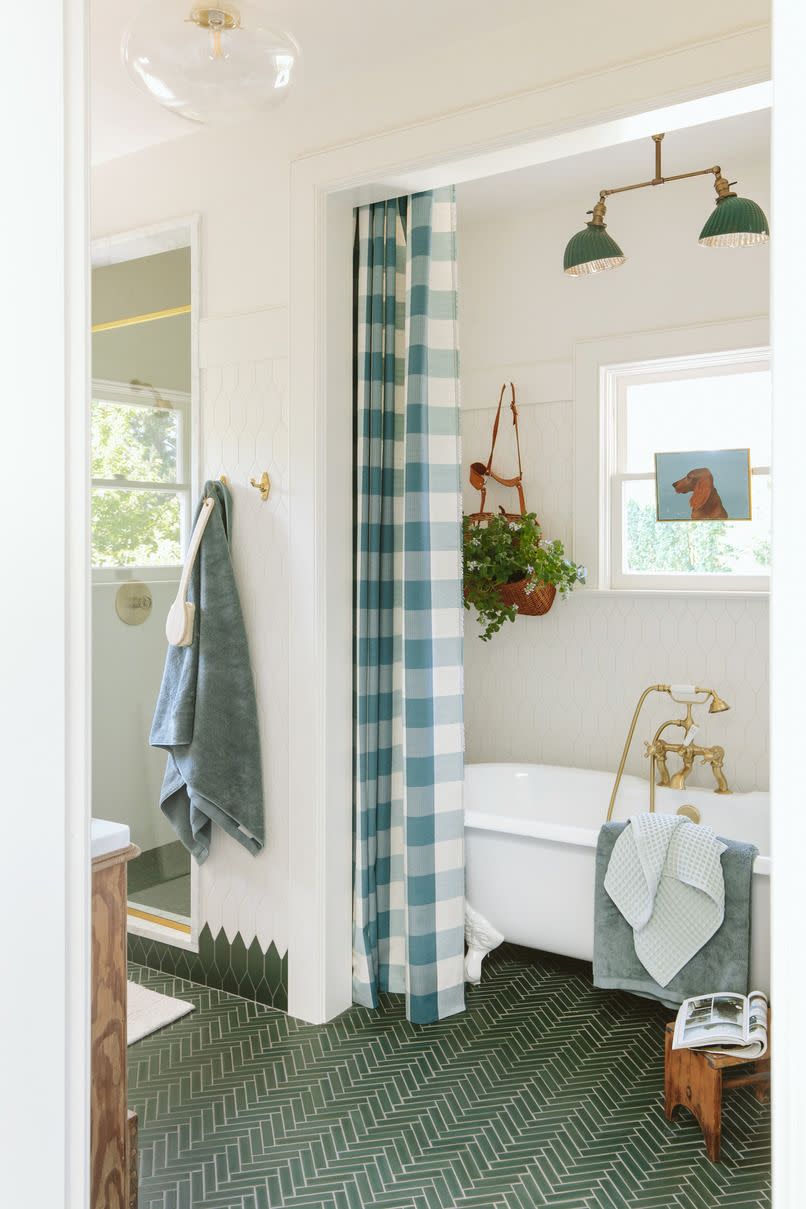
x=179 y=623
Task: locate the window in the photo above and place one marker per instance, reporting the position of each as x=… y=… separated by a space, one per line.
x=702 y=402
x=140 y=484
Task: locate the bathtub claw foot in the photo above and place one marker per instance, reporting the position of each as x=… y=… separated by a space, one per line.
x=481 y=939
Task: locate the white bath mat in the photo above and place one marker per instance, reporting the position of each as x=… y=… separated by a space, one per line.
x=148 y=1011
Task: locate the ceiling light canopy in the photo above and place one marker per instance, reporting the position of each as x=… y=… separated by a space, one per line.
x=209 y=63
x=736 y=222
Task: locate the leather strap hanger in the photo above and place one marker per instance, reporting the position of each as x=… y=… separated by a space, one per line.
x=480 y=473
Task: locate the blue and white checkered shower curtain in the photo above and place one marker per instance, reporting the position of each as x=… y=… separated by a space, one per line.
x=408 y=905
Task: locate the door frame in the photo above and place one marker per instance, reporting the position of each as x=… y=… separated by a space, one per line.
x=53 y=1065
x=45 y=610
x=666 y=92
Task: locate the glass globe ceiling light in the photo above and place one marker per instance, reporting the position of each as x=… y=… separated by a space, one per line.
x=209 y=63
x=735 y=222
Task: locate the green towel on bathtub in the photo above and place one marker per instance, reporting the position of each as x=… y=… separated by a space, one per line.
x=206 y=714
x=722 y=964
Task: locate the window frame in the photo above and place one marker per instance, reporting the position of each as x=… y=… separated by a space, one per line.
x=592 y=460
x=107 y=391
x=181 y=232
x=615 y=383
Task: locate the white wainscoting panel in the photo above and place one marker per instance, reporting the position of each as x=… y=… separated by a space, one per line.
x=244 y=393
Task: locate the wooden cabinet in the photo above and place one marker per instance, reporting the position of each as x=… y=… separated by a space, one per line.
x=109 y=1127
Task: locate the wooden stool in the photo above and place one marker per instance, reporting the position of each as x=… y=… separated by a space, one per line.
x=696 y=1080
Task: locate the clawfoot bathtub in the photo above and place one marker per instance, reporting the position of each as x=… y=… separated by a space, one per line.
x=531 y=832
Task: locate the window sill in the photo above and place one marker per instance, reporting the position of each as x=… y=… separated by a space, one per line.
x=120 y=575
x=675 y=593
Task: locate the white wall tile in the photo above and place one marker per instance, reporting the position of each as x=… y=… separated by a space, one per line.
x=244 y=391
x=560 y=689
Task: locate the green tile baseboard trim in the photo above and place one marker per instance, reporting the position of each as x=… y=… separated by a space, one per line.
x=232 y=967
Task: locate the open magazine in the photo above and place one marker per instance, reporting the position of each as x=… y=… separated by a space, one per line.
x=724 y=1023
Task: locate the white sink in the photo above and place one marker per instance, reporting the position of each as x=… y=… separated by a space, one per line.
x=107 y=837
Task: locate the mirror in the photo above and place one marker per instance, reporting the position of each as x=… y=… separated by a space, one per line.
x=143 y=469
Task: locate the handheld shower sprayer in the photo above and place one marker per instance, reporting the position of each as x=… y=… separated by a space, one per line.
x=688 y=695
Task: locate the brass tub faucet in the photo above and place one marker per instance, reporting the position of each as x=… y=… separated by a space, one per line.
x=658 y=749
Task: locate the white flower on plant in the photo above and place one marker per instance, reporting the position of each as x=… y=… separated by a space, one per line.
x=529 y=589
x=515 y=525
x=472 y=566
x=530 y=569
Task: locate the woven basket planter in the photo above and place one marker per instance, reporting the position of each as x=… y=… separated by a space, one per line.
x=531 y=604
x=539 y=599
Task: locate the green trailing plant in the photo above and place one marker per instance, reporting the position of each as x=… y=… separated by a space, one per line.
x=503 y=550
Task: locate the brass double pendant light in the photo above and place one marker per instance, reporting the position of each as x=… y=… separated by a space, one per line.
x=736 y=222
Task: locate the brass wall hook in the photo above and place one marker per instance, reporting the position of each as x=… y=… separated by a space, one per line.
x=263 y=485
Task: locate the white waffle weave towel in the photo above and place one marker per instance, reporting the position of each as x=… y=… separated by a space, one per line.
x=665 y=876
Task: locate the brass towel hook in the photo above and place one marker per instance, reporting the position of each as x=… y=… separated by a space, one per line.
x=263 y=485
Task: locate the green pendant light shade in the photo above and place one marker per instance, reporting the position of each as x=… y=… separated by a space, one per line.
x=735 y=222
x=592 y=251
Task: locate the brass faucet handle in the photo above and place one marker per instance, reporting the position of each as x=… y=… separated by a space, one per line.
x=712 y=755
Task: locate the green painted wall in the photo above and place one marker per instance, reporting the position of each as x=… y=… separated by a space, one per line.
x=158 y=352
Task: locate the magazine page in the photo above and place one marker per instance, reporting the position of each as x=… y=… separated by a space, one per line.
x=709 y=1020
x=757 y=1030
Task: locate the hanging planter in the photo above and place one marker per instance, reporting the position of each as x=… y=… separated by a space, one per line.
x=508 y=567
x=529 y=598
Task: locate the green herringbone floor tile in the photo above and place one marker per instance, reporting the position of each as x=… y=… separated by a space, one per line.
x=546 y=1092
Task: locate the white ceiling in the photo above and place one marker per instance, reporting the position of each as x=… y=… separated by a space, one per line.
x=338 y=42
x=576 y=181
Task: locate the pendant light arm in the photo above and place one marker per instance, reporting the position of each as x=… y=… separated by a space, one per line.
x=716 y=171
x=721 y=184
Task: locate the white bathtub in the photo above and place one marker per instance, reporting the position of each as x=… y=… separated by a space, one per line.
x=531 y=833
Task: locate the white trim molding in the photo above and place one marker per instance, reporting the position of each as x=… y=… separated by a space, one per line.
x=788 y=656
x=44 y=620
x=538 y=382
x=615 y=381
x=181 y=232
x=159 y=237
x=144 y=395
x=664 y=93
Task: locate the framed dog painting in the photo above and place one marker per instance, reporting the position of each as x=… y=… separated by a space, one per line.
x=703 y=485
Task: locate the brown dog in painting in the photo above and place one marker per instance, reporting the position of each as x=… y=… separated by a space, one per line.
x=705 y=502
